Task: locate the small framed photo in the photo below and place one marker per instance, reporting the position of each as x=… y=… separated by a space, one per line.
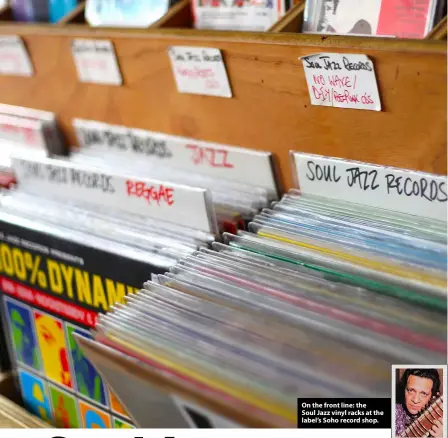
x=418 y=401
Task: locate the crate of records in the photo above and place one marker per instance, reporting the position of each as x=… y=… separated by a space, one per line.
x=66 y=254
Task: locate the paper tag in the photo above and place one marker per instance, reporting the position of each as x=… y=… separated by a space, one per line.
x=14 y=58
x=342 y=81
x=96 y=62
x=181 y=205
x=390 y=188
x=23 y=132
x=231 y=163
x=199 y=70
x=198 y=417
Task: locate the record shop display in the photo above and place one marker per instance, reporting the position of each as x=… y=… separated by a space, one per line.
x=186 y=239
x=80 y=233
x=241 y=181
x=65 y=260
x=317 y=288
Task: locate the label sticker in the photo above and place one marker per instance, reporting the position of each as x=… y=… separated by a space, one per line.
x=342 y=81
x=400 y=190
x=14 y=58
x=96 y=62
x=199 y=70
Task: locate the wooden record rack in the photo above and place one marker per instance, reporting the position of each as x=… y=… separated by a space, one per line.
x=270 y=109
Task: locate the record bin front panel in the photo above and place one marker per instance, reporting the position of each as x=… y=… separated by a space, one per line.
x=51 y=288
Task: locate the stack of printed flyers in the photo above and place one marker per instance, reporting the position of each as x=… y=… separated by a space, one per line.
x=318 y=299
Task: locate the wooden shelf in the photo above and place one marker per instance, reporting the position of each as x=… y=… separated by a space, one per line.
x=270 y=109
x=439 y=32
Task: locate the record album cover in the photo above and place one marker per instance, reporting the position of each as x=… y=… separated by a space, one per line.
x=50 y=289
x=390 y=18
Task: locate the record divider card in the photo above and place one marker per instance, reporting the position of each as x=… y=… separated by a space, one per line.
x=400 y=190
x=232 y=163
x=177 y=204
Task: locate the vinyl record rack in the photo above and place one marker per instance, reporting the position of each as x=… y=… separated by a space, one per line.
x=270 y=109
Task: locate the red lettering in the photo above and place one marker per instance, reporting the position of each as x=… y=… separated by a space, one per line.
x=224 y=162
x=195 y=73
x=158 y=194
x=196 y=155
x=345 y=97
x=338 y=81
x=366 y=99
x=210 y=156
x=212 y=84
x=169 y=196
x=319 y=80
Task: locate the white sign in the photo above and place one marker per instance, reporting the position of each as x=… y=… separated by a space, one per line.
x=182 y=205
x=199 y=70
x=231 y=163
x=390 y=188
x=14 y=58
x=342 y=81
x=96 y=62
x=22 y=131
x=52 y=138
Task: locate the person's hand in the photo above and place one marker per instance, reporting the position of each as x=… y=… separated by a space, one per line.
x=437 y=429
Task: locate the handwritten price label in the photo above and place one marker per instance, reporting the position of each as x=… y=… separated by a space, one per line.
x=96 y=62
x=14 y=58
x=199 y=70
x=342 y=81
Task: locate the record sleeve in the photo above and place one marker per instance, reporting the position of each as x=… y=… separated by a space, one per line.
x=248 y=15
x=50 y=288
x=390 y=18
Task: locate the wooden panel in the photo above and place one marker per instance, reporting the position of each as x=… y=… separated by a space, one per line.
x=178 y=16
x=75 y=16
x=292 y=20
x=270 y=109
x=439 y=32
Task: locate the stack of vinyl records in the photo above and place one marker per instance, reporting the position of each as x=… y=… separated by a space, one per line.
x=74 y=242
x=12 y=416
x=318 y=300
x=78 y=235
x=28 y=130
x=372 y=17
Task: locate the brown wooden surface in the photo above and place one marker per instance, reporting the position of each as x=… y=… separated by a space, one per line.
x=439 y=32
x=178 y=16
x=270 y=109
x=292 y=20
x=98 y=353
x=75 y=16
